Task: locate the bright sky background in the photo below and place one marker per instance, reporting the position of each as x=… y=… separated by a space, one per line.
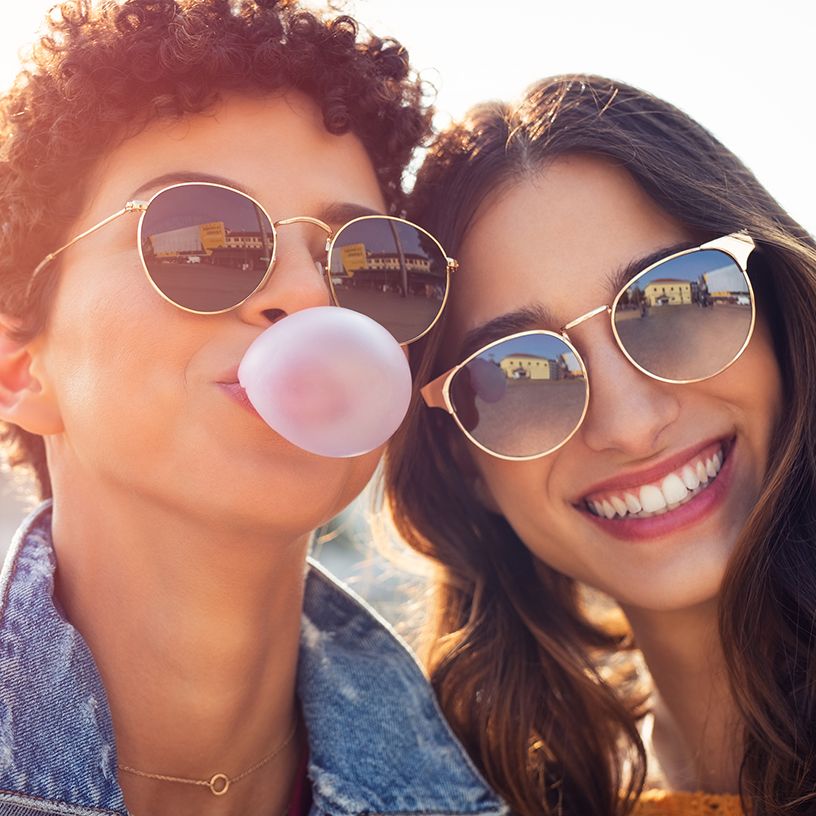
x=744 y=68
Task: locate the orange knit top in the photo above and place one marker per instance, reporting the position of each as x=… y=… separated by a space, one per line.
x=673 y=803
x=657 y=800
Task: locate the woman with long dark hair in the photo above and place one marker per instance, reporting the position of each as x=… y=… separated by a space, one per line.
x=177 y=179
x=625 y=374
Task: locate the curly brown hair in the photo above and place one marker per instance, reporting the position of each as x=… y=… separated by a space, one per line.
x=101 y=72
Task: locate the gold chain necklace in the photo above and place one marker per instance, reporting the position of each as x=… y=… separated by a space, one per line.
x=218 y=783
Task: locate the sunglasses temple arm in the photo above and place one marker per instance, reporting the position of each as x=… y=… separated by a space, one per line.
x=739 y=244
x=131 y=206
x=434 y=392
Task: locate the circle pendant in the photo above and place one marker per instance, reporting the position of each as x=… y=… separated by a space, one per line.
x=219 y=784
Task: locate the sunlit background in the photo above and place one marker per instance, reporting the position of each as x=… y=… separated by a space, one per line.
x=745 y=69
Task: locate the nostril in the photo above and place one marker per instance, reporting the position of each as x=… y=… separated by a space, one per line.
x=273 y=315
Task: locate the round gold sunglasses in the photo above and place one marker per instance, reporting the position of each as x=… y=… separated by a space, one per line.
x=207 y=248
x=683 y=319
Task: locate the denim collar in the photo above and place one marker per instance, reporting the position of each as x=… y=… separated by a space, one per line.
x=377 y=740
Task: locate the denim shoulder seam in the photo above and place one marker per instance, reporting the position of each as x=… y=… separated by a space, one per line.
x=12 y=560
x=350 y=598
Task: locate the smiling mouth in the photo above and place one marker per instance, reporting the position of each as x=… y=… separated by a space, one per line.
x=656 y=498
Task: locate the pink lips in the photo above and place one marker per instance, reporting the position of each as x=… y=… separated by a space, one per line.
x=236 y=392
x=695 y=510
x=654 y=473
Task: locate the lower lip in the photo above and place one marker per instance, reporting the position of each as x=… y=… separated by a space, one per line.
x=692 y=512
x=237 y=394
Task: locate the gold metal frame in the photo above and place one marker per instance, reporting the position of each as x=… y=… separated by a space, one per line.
x=450 y=267
x=738 y=246
x=141 y=207
x=437 y=392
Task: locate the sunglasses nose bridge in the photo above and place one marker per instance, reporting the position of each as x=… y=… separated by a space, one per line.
x=305 y=219
x=587 y=316
x=308 y=219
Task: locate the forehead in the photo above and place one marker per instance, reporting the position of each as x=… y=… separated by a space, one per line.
x=555 y=240
x=276 y=148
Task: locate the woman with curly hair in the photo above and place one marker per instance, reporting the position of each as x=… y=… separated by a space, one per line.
x=171 y=177
x=625 y=371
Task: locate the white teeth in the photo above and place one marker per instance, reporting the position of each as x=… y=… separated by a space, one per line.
x=619 y=505
x=673 y=489
x=656 y=499
x=689 y=477
x=632 y=504
x=651 y=498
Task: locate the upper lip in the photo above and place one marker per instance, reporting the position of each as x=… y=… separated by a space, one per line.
x=229 y=376
x=651 y=474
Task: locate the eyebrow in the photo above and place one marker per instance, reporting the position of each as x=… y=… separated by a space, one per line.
x=534 y=316
x=340 y=213
x=621 y=276
x=334 y=214
x=180 y=176
x=537 y=316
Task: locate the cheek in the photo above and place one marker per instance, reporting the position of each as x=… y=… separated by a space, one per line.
x=525 y=494
x=516 y=490
x=753 y=388
x=116 y=356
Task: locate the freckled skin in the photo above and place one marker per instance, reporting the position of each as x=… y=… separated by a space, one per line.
x=554 y=239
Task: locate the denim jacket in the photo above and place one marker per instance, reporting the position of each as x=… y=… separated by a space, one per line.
x=378 y=743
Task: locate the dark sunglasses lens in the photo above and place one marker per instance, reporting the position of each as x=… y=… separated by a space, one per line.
x=521 y=397
x=390 y=271
x=206 y=248
x=687 y=318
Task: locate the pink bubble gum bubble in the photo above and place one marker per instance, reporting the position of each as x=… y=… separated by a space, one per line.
x=329 y=380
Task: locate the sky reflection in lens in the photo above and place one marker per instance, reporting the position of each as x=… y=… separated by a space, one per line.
x=687 y=318
x=521 y=397
x=206 y=247
x=391 y=272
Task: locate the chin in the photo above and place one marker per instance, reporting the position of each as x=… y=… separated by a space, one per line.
x=673 y=589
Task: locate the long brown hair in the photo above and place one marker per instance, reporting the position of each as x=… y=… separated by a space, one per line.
x=521 y=669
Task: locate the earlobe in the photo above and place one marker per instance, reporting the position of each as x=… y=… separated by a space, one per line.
x=23 y=400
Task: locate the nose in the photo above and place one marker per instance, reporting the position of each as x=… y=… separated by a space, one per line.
x=628 y=410
x=297 y=280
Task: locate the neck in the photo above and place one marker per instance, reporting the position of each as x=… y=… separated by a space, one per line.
x=195 y=631
x=696 y=736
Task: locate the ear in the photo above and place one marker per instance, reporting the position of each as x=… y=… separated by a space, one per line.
x=23 y=399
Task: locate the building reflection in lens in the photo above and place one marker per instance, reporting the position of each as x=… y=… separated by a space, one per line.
x=687 y=318
x=390 y=271
x=540 y=400
x=206 y=247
